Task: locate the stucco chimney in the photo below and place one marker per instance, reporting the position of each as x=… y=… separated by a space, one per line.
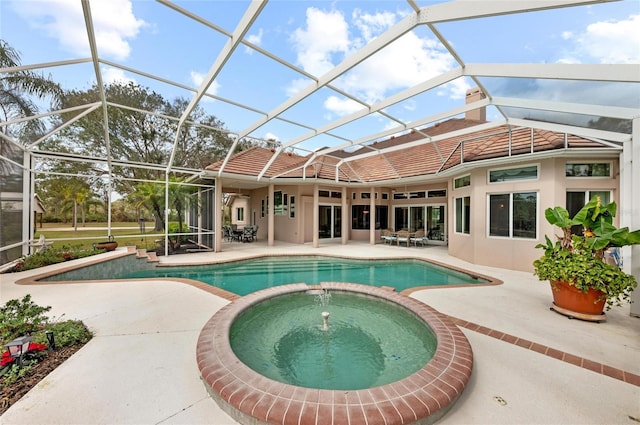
x=480 y=114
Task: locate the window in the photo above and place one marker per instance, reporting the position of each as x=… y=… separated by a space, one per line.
x=463 y=214
x=513 y=215
x=262 y=208
x=365 y=195
x=278 y=204
x=330 y=194
x=292 y=206
x=510 y=174
x=240 y=214
x=360 y=214
x=597 y=169
x=409 y=195
x=577 y=199
x=361 y=217
x=462 y=181
x=437 y=193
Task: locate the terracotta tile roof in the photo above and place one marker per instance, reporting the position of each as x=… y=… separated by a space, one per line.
x=424 y=159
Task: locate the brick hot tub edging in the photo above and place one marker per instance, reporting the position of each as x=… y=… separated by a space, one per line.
x=250 y=398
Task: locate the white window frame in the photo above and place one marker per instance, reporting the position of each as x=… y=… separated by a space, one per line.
x=455 y=218
x=461 y=177
x=510 y=236
x=589 y=163
x=536 y=178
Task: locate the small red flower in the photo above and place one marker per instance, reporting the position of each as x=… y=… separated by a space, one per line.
x=6 y=359
x=34 y=346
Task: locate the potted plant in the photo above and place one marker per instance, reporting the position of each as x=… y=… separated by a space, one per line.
x=583 y=281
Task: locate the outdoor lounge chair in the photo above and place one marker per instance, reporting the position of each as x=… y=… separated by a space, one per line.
x=387 y=236
x=403 y=237
x=419 y=238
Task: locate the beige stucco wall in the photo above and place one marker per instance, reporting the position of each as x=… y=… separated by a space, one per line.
x=551 y=186
x=476 y=247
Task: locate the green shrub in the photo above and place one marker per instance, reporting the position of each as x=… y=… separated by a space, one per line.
x=24 y=317
x=53 y=256
x=69 y=332
x=21 y=317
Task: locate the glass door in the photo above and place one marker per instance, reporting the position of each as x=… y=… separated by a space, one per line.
x=409 y=218
x=330 y=225
x=416 y=218
x=436 y=223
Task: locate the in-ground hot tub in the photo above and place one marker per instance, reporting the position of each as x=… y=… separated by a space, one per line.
x=273 y=386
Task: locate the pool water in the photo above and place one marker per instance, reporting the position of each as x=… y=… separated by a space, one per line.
x=247 y=276
x=369 y=342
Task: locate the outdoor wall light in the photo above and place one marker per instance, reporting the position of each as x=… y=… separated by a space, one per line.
x=19 y=347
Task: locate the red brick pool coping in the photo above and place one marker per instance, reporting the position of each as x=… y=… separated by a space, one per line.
x=249 y=397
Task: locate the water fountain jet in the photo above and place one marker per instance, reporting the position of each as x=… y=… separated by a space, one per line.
x=325 y=320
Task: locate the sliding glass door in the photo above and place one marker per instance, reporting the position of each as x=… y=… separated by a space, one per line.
x=330 y=225
x=436 y=223
x=409 y=218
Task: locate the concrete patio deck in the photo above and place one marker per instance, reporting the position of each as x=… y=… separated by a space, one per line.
x=531 y=365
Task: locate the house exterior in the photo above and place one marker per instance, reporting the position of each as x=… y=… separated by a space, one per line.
x=480 y=191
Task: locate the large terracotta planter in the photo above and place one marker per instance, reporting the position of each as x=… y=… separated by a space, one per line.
x=571 y=299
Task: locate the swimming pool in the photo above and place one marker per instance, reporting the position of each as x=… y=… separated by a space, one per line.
x=248 y=276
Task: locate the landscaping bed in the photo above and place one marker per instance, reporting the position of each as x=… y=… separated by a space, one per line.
x=49 y=343
x=11 y=393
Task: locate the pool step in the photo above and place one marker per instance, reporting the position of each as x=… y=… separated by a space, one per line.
x=150 y=256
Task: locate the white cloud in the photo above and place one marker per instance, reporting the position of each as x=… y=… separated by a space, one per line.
x=271 y=136
x=410 y=105
x=254 y=39
x=296 y=85
x=370 y=25
x=614 y=42
x=114 y=75
x=341 y=106
x=325 y=35
x=197 y=79
x=608 y=42
x=113 y=20
x=327 y=39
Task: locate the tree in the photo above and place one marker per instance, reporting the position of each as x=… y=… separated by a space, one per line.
x=17 y=91
x=151 y=196
x=138 y=136
x=178 y=199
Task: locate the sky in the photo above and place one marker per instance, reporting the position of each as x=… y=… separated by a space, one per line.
x=315 y=36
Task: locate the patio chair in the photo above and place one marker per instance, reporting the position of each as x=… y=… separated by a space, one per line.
x=247 y=234
x=41 y=244
x=227 y=233
x=419 y=238
x=387 y=236
x=403 y=237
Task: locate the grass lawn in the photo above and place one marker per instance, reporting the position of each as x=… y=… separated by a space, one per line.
x=126 y=234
